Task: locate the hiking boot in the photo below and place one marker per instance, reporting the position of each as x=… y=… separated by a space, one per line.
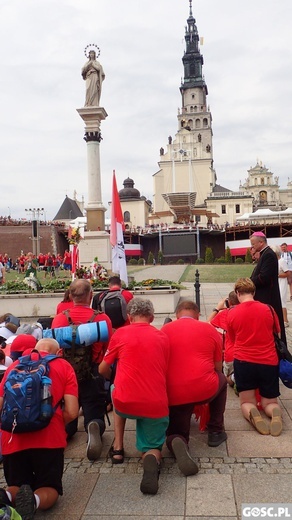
x=4 y=498
x=184 y=460
x=149 y=483
x=25 y=502
x=94 y=444
x=216 y=438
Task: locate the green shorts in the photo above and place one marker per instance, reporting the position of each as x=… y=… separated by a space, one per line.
x=150 y=433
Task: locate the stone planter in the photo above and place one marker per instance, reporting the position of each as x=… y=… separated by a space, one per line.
x=39 y=305
x=164 y=300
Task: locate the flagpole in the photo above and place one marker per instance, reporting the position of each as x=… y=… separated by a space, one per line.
x=119 y=265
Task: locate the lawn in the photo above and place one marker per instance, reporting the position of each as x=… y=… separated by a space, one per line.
x=217 y=273
x=209 y=273
x=61 y=275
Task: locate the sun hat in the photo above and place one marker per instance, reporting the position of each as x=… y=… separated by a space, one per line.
x=5 y=333
x=25 y=328
x=22 y=342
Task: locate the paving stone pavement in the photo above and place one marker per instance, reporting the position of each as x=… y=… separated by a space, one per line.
x=247 y=468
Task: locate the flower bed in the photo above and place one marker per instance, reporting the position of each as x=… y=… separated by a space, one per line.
x=154 y=284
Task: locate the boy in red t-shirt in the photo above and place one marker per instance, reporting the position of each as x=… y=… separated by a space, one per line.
x=218 y=318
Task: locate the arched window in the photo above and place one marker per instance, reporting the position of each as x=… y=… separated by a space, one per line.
x=190 y=123
x=205 y=122
x=198 y=123
x=127 y=216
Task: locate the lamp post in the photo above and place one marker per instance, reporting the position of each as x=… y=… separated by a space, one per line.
x=35 y=217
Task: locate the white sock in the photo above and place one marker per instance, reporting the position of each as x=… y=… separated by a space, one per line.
x=37 y=501
x=9 y=495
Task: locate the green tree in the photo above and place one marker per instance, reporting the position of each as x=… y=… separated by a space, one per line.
x=209 y=257
x=160 y=257
x=150 y=258
x=248 y=258
x=228 y=257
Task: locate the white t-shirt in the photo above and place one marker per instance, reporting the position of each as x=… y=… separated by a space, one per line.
x=288 y=259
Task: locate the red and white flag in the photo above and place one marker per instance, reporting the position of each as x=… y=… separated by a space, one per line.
x=119 y=265
x=74 y=250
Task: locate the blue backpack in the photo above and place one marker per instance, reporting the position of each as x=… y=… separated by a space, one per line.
x=8 y=513
x=27 y=405
x=285 y=372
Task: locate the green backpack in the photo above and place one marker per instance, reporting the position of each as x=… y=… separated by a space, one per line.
x=8 y=513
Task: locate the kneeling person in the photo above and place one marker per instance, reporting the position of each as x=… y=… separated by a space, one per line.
x=194 y=377
x=33 y=462
x=139 y=392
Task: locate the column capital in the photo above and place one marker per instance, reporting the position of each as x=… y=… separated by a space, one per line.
x=92 y=136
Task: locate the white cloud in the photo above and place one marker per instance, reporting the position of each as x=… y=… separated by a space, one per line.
x=247 y=67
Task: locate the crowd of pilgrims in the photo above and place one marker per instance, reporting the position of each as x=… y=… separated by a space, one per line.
x=43 y=259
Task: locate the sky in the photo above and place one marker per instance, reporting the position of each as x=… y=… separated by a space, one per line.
x=247 y=67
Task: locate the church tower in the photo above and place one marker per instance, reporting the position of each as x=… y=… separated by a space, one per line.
x=186 y=175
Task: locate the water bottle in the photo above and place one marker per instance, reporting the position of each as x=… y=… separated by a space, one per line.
x=46 y=404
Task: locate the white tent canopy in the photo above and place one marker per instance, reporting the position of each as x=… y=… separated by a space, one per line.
x=265 y=214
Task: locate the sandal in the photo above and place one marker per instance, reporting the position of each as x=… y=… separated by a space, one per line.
x=116 y=453
x=258 y=422
x=276 y=425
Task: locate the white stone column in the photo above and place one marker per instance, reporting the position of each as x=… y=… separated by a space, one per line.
x=92 y=116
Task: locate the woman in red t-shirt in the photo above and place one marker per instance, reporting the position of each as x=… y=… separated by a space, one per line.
x=250 y=327
x=66 y=303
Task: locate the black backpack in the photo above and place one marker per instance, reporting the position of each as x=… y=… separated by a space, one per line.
x=114 y=305
x=79 y=356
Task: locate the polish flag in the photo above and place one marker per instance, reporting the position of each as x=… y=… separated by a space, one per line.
x=116 y=235
x=74 y=250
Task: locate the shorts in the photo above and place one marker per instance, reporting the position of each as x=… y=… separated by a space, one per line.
x=150 y=433
x=38 y=467
x=250 y=376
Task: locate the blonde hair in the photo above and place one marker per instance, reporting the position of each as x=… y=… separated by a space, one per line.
x=244 y=286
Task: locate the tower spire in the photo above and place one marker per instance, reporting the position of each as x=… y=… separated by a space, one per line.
x=192 y=59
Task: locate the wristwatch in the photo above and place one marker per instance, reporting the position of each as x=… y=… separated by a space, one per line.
x=215 y=310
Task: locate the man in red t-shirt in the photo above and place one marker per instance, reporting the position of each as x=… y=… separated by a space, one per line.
x=91 y=391
x=67 y=261
x=194 y=377
x=139 y=392
x=115 y=284
x=33 y=462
